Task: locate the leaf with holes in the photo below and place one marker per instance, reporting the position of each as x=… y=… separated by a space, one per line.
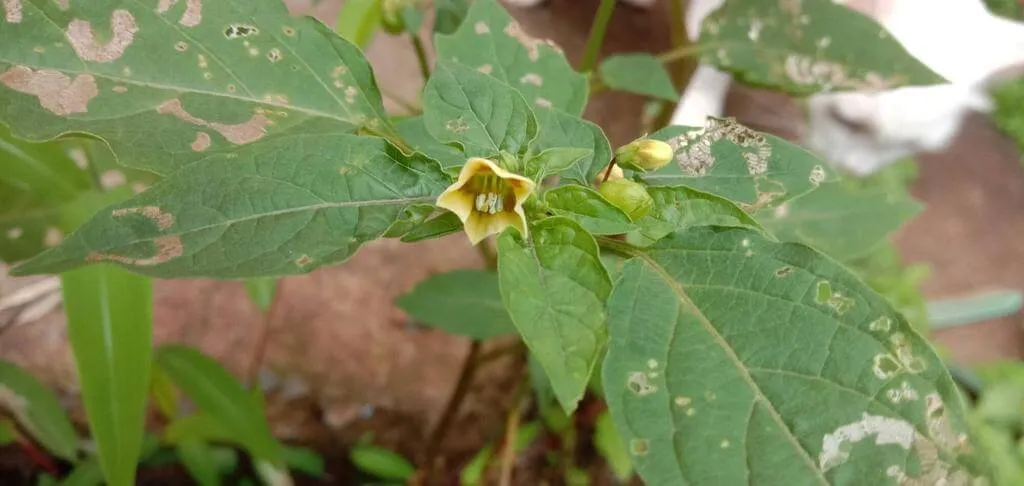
x=170 y=85
x=491 y=42
x=734 y=359
x=38 y=411
x=480 y=113
x=641 y=74
x=753 y=169
x=807 y=46
x=554 y=287
x=462 y=302
x=272 y=209
x=221 y=398
x=841 y=220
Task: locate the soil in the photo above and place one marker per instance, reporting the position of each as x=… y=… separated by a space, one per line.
x=343 y=361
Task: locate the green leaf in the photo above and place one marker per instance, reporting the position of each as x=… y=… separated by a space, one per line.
x=756 y=170
x=261 y=291
x=261 y=213
x=554 y=287
x=562 y=130
x=480 y=113
x=556 y=160
x=38 y=411
x=86 y=473
x=220 y=397
x=165 y=396
x=588 y=208
x=445 y=224
x=841 y=220
x=381 y=462
x=462 y=302
x=198 y=427
x=718 y=339
x=678 y=208
x=490 y=41
x=170 y=85
x=8 y=433
x=449 y=14
x=414 y=132
x=206 y=463
x=110 y=324
x=305 y=460
x=609 y=444
x=639 y=73
x=358 y=21
x=808 y=46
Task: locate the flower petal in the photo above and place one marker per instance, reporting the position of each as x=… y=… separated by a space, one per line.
x=457 y=201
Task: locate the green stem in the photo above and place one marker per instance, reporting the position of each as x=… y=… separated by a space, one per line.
x=682 y=71
x=615 y=246
x=421 y=56
x=597 y=30
x=680 y=53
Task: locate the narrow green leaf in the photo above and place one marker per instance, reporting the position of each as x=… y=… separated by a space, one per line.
x=556 y=160
x=222 y=398
x=842 y=221
x=588 y=208
x=198 y=427
x=463 y=302
x=45 y=169
x=473 y=472
x=609 y=444
x=638 y=73
x=165 y=396
x=263 y=213
x=808 y=46
x=381 y=462
x=554 y=287
x=201 y=463
x=415 y=133
x=974 y=308
x=756 y=170
x=719 y=336
x=38 y=411
x=480 y=113
x=490 y=41
x=261 y=291
x=449 y=14
x=110 y=324
x=358 y=20
x=305 y=460
x=678 y=208
x=170 y=85
x=562 y=130
x=86 y=473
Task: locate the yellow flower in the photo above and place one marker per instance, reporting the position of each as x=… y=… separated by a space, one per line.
x=487 y=199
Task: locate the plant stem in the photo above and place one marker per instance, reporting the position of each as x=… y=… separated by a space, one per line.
x=450 y=410
x=608 y=173
x=508 y=452
x=678 y=54
x=682 y=71
x=252 y=373
x=421 y=56
x=597 y=30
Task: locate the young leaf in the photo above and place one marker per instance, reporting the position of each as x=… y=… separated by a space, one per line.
x=110 y=325
x=642 y=74
x=562 y=130
x=415 y=133
x=588 y=208
x=261 y=291
x=38 y=411
x=840 y=220
x=198 y=427
x=381 y=462
x=609 y=444
x=755 y=170
x=555 y=160
x=169 y=85
x=808 y=46
x=202 y=461
x=305 y=460
x=221 y=398
x=677 y=208
x=449 y=14
x=263 y=213
x=358 y=20
x=480 y=113
x=462 y=302
x=718 y=339
x=554 y=287
x=86 y=473
x=491 y=42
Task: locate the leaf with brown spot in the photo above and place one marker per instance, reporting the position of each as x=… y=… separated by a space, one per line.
x=146 y=78
x=259 y=211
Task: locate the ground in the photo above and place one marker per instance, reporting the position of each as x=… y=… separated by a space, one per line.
x=343 y=360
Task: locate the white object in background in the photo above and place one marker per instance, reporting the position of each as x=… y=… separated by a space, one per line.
x=863 y=132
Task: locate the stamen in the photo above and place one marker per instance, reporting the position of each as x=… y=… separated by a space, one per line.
x=481 y=201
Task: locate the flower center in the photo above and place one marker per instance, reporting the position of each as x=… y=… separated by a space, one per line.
x=493 y=194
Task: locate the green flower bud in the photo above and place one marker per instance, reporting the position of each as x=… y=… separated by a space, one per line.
x=391 y=16
x=631 y=197
x=644 y=154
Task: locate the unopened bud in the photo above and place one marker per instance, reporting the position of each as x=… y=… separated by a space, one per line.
x=391 y=16
x=615 y=174
x=644 y=155
x=631 y=197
